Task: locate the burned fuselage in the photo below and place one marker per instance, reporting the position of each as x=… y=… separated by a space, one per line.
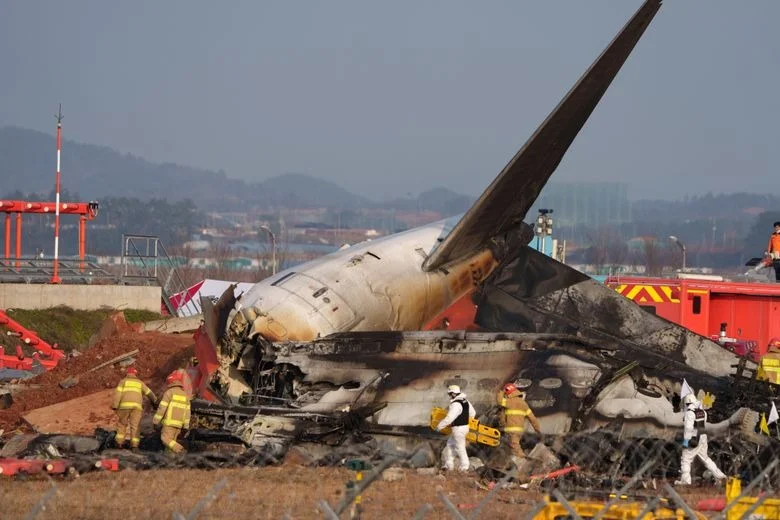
x=571 y=384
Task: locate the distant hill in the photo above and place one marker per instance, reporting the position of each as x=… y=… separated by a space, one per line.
x=27 y=165
x=440 y=200
x=98 y=172
x=297 y=190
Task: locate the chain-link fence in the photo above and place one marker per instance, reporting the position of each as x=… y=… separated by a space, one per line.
x=598 y=475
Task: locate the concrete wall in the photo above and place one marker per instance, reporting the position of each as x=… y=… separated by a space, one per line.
x=81 y=297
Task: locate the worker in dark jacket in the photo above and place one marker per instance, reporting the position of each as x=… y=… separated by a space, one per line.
x=173 y=413
x=129 y=405
x=515 y=413
x=773 y=250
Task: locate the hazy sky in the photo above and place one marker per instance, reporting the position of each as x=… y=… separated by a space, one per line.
x=400 y=96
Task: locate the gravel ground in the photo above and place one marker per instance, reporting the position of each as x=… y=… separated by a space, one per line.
x=269 y=492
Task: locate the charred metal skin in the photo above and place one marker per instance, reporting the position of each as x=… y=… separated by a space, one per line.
x=571 y=384
x=529 y=292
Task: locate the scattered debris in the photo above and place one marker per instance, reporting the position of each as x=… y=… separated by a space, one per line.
x=6 y=400
x=392 y=474
x=174 y=325
x=29 y=337
x=74 y=380
x=158 y=356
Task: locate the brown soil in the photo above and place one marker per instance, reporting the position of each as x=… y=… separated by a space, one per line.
x=250 y=493
x=79 y=416
x=159 y=355
x=269 y=492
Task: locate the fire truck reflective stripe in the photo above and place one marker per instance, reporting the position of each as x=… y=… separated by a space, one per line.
x=698 y=291
x=633 y=291
x=643 y=293
x=670 y=295
x=649 y=293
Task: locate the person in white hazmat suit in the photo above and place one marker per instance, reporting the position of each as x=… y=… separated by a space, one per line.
x=458 y=415
x=695 y=442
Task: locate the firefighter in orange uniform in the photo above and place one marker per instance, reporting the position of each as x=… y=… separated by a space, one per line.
x=129 y=406
x=515 y=412
x=773 y=249
x=173 y=412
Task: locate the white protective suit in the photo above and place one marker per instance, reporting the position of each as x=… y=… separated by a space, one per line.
x=688 y=454
x=457 y=441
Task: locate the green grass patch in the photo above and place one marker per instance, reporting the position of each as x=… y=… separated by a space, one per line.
x=69 y=328
x=139 y=316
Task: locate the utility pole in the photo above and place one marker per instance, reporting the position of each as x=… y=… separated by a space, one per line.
x=273 y=247
x=55 y=278
x=682 y=248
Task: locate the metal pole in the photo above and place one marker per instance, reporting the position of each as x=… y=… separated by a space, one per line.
x=55 y=276
x=272 y=237
x=18 y=238
x=273 y=254
x=82 y=240
x=683 y=267
x=7 y=236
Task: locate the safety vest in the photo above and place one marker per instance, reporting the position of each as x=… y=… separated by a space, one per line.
x=129 y=393
x=174 y=409
x=463 y=418
x=774 y=244
x=769 y=368
x=516 y=411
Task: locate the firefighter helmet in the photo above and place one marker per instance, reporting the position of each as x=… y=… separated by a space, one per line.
x=174 y=377
x=510 y=388
x=132 y=371
x=453 y=389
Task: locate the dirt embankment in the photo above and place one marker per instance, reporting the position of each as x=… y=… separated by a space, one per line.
x=159 y=354
x=70 y=329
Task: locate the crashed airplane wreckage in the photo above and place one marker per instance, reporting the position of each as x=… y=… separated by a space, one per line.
x=335 y=344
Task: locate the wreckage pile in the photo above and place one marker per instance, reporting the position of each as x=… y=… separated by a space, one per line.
x=158 y=355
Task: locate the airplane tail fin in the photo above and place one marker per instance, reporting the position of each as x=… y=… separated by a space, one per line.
x=509 y=197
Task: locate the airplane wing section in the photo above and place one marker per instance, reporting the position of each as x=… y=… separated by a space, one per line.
x=509 y=197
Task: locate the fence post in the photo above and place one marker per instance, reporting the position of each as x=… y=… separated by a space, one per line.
x=41 y=504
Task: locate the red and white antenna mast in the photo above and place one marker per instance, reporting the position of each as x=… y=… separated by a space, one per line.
x=55 y=278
